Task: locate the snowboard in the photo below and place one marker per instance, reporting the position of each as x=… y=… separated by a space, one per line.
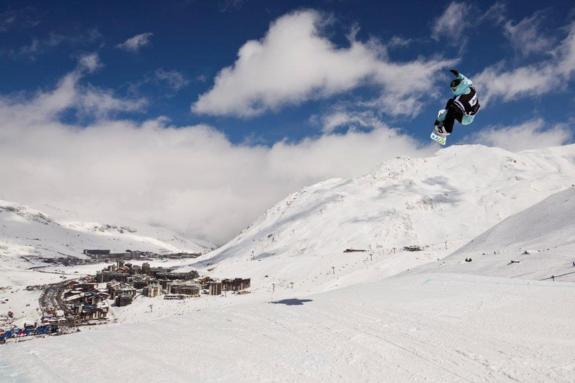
x=441 y=114
x=437 y=138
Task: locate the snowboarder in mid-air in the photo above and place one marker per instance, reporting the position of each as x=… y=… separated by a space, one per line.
x=462 y=107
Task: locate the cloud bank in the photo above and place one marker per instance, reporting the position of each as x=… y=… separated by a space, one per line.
x=528 y=135
x=294 y=63
x=190 y=179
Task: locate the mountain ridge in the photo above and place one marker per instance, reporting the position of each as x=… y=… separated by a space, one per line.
x=27 y=231
x=444 y=200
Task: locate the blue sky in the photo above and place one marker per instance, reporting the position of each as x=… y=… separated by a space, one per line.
x=196 y=39
x=199 y=115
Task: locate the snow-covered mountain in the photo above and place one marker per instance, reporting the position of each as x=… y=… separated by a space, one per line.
x=28 y=232
x=537 y=243
x=330 y=315
x=447 y=321
x=437 y=204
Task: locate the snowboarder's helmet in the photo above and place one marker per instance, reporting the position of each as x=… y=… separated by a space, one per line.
x=454 y=84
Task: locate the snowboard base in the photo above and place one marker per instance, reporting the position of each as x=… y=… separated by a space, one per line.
x=437 y=138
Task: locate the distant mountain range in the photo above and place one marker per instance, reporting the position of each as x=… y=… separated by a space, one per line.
x=28 y=232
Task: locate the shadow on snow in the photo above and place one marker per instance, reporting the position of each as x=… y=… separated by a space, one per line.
x=292 y=302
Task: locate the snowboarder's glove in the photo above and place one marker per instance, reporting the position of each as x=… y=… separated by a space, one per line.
x=455 y=72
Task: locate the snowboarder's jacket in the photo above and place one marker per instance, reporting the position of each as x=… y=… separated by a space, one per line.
x=465 y=99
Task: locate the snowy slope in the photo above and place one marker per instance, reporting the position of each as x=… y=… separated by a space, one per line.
x=29 y=231
x=420 y=328
x=445 y=322
x=537 y=243
x=438 y=203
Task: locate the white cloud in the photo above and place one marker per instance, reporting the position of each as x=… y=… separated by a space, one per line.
x=174 y=79
x=171 y=82
x=22 y=18
x=90 y=62
x=335 y=120
x=495 y=13
x=526 y=37
x=528 y=135
x=350 y=119
x=398 y=41
x=452 y=23
x=69 y=94
x=135 y=43
x=405 y=105
x=39 y=46
x=189 y=178
x=93 y=101
x=231 y=5
x=530 y=80
x=294 y=63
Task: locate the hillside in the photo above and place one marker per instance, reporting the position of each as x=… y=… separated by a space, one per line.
x=437 y=204
x=537 y=243
x=338 y=317
x=28 y=232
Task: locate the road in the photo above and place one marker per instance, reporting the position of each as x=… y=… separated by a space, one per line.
x=51 y=299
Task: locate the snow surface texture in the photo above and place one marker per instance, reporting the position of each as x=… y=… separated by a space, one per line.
x=322 y=315
x=434 y=328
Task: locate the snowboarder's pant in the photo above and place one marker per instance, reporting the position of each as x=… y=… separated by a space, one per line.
x=453 y=113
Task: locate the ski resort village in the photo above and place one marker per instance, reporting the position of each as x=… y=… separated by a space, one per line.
x=65 y=306
x=304 y=191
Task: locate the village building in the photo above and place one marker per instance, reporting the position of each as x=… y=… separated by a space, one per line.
x=139 y=281
x=85 y=304
x=166 y=285
x=185 y=289
x=187 y=276
x=109 y=275
x=215 y=288
x=96 y=252
x=236 y=284
x=204 y=281
x=124 y=300
x=116 y=289
x=152 y=290
x=122 y=293
x=146 y=269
